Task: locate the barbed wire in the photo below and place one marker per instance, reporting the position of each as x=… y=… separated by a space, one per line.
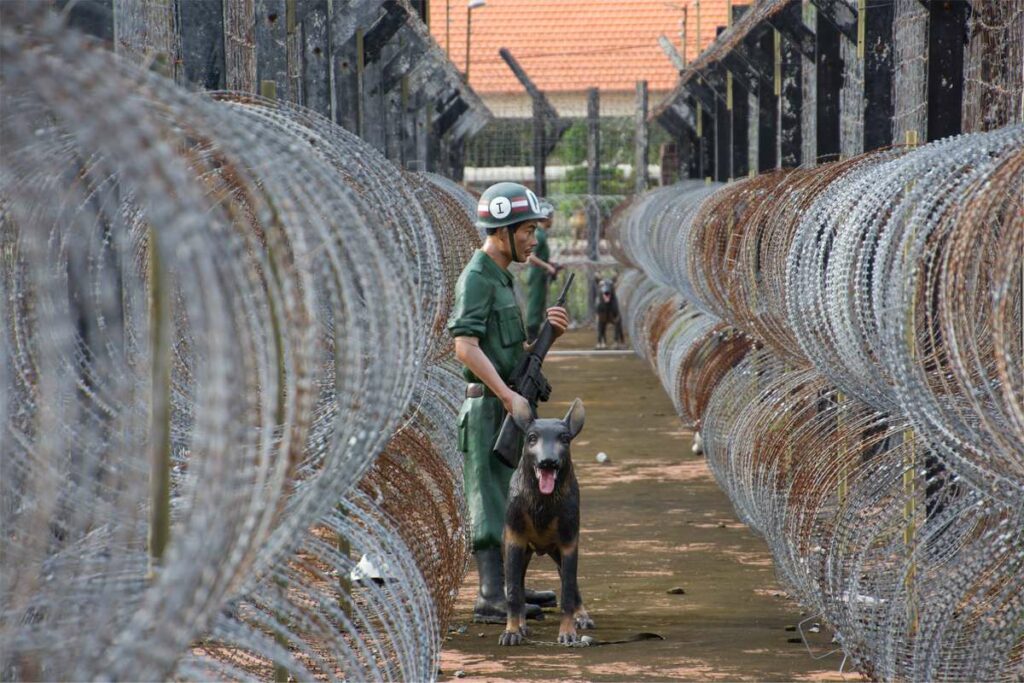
x=848 y=341
x=218 y=311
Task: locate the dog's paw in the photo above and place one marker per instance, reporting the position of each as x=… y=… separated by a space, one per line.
x=584 y=622
x=568 y=638
x=510 y=638
x=524 y=630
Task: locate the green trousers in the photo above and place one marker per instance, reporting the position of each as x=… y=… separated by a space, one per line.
x=484 y=476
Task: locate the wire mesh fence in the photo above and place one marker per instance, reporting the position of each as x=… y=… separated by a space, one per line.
x=857 y=395
x=993 y=77
x=218 y=311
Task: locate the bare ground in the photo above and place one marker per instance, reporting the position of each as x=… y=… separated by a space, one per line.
x=653 y=520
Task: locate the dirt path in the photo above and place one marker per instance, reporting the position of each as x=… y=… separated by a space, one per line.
x=653 y=520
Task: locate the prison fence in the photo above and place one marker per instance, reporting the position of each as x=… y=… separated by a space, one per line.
x=847 y=339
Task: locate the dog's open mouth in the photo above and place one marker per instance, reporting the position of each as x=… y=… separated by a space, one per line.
x=606 y=296
x=546 y=478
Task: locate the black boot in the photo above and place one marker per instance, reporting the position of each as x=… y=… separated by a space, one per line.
x=541 y=598
x=491 y=607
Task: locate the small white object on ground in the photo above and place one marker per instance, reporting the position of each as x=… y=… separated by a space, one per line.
x=587 y=640
x=367 y=570
x=698 y=444
x=602 y=457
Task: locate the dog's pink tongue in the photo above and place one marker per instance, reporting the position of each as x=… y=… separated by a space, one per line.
x=546 y=478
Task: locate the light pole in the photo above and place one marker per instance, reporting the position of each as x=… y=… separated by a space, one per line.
x=470 y=6
x=682 y=31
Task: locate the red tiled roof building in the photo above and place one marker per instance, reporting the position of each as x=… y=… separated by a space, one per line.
x=567 y=46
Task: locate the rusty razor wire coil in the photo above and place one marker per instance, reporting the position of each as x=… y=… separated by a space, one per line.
x=860 y=403
x=407 y=518
x=920 y=580
x=876 y=282
x=218 y=312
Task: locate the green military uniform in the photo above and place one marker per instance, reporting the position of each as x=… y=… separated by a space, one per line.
x=485 y=308
x=537 y=284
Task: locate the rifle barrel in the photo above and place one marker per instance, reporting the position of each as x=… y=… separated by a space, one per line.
x=565 y=289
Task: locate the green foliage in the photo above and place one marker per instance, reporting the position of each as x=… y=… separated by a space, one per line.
x=572 y=149
x=568 y=204
x=509 y=142
x=613 y=181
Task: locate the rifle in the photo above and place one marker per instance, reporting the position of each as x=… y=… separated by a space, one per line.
x=530 y=384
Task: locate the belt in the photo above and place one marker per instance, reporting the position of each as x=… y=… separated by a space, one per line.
x=478 y=390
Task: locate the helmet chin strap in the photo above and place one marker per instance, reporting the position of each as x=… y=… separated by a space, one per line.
x=512 y=243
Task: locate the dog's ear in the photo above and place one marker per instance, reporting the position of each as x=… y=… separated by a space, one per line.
x=522 y=415
x=574 y=418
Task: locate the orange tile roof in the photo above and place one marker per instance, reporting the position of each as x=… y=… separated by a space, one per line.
x=571 y=45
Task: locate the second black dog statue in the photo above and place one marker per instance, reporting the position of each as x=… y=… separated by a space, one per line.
x=608 y=314
x=543 y=517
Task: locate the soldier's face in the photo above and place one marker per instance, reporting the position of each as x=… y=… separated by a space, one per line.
x=526 y=240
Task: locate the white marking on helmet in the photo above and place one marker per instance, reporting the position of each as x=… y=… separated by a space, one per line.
x=532 y=198
x=500 y=207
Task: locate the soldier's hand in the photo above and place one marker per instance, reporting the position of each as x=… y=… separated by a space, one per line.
x=511 y=399
x=559 y=319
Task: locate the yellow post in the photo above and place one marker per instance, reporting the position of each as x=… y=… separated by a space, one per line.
x=910 y=471
x=778 y=63
x=843 y=449
x=280 y=671
x=344 y=580
x=862 y=9
x=160 y=407
x=910 y=523
x=360 y=69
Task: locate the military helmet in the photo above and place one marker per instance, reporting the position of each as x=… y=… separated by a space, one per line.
x=505 y=204
x=547 y=209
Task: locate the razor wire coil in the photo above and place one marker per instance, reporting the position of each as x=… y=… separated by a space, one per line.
x=854 y=331
x=218 y=311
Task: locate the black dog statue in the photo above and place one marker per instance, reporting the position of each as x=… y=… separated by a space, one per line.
x=608 y=313
x=543 y=517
